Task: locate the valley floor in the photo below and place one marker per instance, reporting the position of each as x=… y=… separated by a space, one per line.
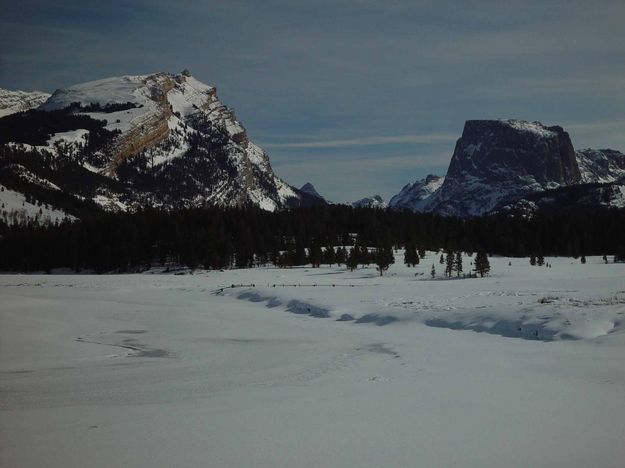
x=316 y=368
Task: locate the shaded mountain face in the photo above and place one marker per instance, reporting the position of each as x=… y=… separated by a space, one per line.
x=162 y=140
x=311 y=190
x=499 y=160
x=375 y=201
x=12 y=102
x=412 y=196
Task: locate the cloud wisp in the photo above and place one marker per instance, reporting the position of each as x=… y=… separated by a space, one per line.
x=367 y=141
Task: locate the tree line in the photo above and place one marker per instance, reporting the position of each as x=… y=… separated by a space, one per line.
x=246 y=237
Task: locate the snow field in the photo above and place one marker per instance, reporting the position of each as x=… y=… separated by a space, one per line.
x=164 y=370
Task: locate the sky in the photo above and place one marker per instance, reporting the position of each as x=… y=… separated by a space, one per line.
x=358 y=97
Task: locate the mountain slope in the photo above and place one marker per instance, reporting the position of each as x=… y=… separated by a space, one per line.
x=162 y=140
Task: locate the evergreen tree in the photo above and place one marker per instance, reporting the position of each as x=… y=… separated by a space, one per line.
x=352 y=259
x=411 y=256
x=315 y=255
x=341 y=256
x=533 y=260
x=441 y=260
x=433 y=271
x=458 y=263
x=384 y=259
x=540 y=260
x=482 y=265
x=422 y=253
x=329 y=255
x=449 y=263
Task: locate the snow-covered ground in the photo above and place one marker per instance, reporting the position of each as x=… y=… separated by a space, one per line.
x=165 y=370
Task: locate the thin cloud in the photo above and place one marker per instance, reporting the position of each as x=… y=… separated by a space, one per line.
x=368 y=141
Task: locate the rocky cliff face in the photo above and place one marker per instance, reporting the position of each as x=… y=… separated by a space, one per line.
x=20 y=101
x=161 y=140
x=412 y=196
x=500 y=160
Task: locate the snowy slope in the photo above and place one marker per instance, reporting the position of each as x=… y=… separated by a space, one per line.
x=15 y=209
x=19 y=101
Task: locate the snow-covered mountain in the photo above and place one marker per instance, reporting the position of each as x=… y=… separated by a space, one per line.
x=603 y=165
x=499 y=160
x=501 y=164
x=20 y=101
x=162 y=140
x=412 y=195
x=374 y=201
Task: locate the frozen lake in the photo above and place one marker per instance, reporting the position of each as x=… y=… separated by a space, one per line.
x=338 y=369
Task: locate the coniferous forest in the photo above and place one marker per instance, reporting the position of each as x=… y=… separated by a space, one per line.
x=237 y=238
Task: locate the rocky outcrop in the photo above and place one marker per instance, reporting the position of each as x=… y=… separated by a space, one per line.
x=496 y=161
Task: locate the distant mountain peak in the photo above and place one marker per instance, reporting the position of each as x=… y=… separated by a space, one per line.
x=375 y=201
x=311 y=190
x=412 y=196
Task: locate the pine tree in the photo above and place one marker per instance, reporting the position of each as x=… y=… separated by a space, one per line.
x=433 y=271
x=540 y=260
x=341 y=256
x=411 y=257
x=458 y=263
x=449 y=263
x=315 y=255
x=384 y=259
x=441 y=260
x=352 y=259
x=329 y=255
x=482 y=265
x=533 y=260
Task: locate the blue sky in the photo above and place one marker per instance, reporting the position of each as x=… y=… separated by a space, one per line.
x=357 y=96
